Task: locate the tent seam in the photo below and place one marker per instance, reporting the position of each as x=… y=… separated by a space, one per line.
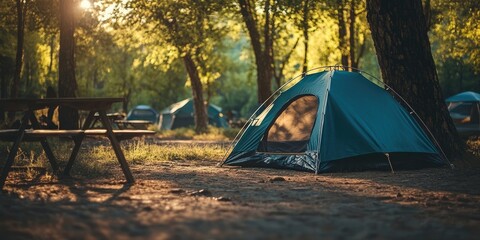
x=322 y=120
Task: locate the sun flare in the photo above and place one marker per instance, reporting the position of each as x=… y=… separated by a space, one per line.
x=85 y=4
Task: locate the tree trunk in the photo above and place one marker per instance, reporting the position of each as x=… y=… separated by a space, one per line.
x=278 y=73
x=427 y=10
x=67 y=84
x=7 y=67
x=50 y=62
x=352 y=38
x=264 y=69
x=201 y=118
x=305 y=27
x=21 y=11
x=126 y=97
x=268 y=36
x=403 y=50
x=342 y=34
x=21 y=7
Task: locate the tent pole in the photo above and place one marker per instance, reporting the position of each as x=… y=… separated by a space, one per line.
x=389 y=162
x=240 y=133
x=432 y=137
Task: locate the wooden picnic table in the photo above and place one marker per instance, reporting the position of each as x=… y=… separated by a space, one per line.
x=94 y=106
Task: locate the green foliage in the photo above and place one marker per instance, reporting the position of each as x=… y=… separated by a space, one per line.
x=133 y=48
x=455 y=38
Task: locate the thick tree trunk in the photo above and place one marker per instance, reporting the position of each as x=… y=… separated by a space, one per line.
x=342 y=33
x=67 y=84
x=427 y=10
x=264 y=69
x=201 y=118
x=400 y=36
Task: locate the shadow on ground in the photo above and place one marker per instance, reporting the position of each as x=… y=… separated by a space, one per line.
x=197 y=200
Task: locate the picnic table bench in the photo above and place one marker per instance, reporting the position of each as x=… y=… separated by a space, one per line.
x=119 y=122
x=94 y=107
x=133 y=124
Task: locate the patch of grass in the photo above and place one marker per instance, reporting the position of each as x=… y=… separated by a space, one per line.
x=28 y=155
x=141 y=152
x=31 y=157
x=98 y=158
x=212 y=134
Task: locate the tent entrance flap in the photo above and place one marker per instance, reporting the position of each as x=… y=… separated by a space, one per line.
x=292 y=128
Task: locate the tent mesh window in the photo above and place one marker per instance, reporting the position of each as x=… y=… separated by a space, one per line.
x=291 y=130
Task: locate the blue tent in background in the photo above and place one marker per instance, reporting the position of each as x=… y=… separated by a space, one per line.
x=334 y=121
x=464 y=110
x=181 y=114
x=464 y=97
x=143 y=112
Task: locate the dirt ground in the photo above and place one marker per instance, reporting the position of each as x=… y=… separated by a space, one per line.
x=198 y=200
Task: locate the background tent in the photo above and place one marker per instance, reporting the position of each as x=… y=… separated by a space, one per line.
x=181 y=114
x=464 y=109
x=334 y=121
x=143 y=112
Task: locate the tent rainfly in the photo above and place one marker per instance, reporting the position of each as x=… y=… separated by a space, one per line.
x=464 y=109
x=335 y=121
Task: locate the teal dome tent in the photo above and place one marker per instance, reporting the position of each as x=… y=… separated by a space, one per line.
x=180 y=114
x=335 y=121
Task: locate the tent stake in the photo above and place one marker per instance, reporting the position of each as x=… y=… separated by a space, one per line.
x=389 y=162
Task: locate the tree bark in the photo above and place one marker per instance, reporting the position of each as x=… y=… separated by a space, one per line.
x=201 y=117
x=427 y=10
x=342 y=33
x=399 y=33
x=67 y=84
x=21 y=7
x=352 y=37
x=7 y=66
x=305 y=27
x=269 y=36
x=264 y=69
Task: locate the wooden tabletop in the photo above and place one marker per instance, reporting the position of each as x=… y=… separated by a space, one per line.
x=23 y=104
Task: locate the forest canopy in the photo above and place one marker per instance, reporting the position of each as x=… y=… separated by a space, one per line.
x=139 y=49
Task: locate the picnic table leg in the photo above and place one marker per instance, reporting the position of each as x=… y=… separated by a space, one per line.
x=45 y=146
x=51 y=157
x=116 y=146
x=78 y=142
x=14 y=148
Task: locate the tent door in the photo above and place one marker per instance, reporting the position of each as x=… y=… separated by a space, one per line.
x=291 y=130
